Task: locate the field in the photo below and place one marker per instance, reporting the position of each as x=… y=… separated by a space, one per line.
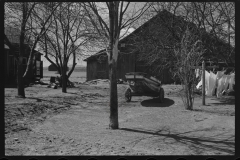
x=75 y=76
x=49 y=122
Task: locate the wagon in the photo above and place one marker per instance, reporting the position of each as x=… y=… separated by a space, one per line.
x=141 y=84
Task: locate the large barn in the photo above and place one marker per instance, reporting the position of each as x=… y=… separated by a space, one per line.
x=128 y=61
x=10 y=69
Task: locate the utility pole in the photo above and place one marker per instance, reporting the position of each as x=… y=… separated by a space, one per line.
x=203 y=83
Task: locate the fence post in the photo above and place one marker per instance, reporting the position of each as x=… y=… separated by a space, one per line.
x=203 y=83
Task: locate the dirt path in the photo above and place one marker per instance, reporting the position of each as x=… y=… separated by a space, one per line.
x=76 y=123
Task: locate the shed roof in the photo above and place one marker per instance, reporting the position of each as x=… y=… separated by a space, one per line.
x=13 y=35
x=103 y=51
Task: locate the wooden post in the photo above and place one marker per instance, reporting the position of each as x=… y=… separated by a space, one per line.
x=203 y=83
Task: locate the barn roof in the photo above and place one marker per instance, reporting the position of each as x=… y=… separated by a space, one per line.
x=103 y=51
x=164 y=14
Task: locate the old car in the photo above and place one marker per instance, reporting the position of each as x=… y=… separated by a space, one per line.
x=141 y=84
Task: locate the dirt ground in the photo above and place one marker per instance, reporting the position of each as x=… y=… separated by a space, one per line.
x=48 y=122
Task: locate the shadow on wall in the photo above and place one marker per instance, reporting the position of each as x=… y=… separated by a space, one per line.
x=154 y=102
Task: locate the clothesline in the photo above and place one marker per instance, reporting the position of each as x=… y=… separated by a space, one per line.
x=216 y=84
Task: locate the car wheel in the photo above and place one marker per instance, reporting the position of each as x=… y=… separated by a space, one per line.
x=161 y=96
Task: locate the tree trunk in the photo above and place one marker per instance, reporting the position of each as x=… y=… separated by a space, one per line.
x=113 y=96
x=28 y=72
x=20 y=80
x=64 y=78
x=189 y=105
x=187 y=101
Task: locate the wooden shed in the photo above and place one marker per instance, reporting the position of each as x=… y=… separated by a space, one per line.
x=10 y=71
x=128 y=61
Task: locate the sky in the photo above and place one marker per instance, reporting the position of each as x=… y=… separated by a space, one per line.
x=131 y=7
x=47 y=63
x=81 y=62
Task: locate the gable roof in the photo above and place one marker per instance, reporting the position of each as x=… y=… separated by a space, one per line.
x=13 y=34
x=164 y=15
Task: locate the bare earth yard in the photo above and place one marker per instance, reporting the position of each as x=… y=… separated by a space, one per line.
x=48 y=122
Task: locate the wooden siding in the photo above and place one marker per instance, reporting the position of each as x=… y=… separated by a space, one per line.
x=99 y=70
x=102 y=69
x=126 y=63
x=91 y=70
x=11 y=66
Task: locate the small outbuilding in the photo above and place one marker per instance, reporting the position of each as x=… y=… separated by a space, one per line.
x=10 y=69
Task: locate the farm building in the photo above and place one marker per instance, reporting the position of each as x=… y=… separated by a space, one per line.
x=51 y=67
x=11 y=64
x=166 y=28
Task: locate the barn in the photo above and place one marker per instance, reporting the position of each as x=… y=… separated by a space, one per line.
x=10 y=71
x=129 y=50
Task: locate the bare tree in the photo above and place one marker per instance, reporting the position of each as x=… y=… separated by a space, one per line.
x=39 y=20
x=217 y=18
x=156 y=40
x=25 y=10
x=210 y=19
x=21 y=15
x=65 y=38
x=109 y=19
x=187 y=55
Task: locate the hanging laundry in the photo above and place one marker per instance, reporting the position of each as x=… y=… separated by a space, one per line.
x=220 y=74
x=207 y=74
x=231 y=83
x=221 y=83
x=212 y=84
x=226 y=84
x=197 y=72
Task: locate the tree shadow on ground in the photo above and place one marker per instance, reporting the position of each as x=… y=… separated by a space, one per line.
x=217 y=112
x=154 y=102
x=197 y=144
x=52 y=101
x=225 y=100
x=72 y=93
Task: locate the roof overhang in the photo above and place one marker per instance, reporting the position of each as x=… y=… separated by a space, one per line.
x=36 y=52
x=95 y=55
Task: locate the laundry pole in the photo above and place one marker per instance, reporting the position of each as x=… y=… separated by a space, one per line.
x=203 y=82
